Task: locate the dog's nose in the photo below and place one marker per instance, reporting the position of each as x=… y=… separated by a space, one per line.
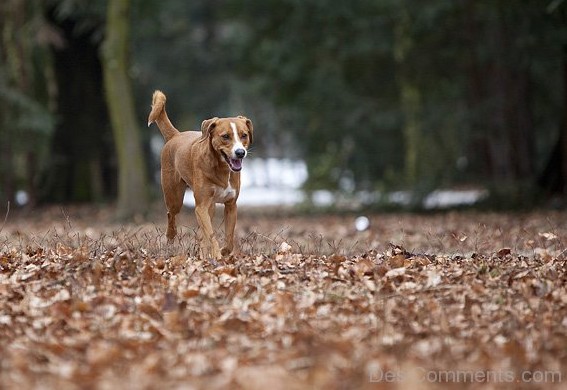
x=240 y=153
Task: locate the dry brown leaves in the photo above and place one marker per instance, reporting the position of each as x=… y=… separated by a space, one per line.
x=308 y=303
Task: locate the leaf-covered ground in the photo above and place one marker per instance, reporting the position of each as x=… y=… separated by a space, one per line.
x=465 y=300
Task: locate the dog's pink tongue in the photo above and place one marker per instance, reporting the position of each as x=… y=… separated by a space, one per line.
x=236 y=163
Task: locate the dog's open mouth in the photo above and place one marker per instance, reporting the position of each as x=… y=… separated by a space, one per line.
x=235 y=164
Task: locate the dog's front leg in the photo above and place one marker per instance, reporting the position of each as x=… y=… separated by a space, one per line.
x=229 y=224
x=206 y=225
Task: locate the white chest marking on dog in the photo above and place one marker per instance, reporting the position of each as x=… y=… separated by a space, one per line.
x=237 y=142
x=222 y=195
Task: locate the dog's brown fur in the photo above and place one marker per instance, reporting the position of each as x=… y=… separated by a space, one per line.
x=200 y=160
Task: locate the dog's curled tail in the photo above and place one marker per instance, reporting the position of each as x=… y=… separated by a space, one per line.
x=159 y=116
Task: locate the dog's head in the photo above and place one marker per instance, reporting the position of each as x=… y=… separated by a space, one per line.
x=230 y=137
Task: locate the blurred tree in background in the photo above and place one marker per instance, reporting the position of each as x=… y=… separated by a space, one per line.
x=372 y=94
x=421 y=93
x=82 y=165
x=132 y=181
x=27 y=96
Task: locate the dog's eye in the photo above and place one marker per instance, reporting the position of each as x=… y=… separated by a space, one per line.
x=225 y=137
x=244 y=136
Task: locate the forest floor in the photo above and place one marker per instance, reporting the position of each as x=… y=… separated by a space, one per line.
x=458 y=299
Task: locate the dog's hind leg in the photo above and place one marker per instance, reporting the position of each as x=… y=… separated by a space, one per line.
x=173 y=195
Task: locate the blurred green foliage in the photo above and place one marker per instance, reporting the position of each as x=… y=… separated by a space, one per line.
x=372 y=94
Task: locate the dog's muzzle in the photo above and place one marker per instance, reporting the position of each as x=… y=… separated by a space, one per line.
x=235 y=164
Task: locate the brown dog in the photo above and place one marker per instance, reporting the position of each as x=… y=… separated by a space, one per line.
x=209 y=162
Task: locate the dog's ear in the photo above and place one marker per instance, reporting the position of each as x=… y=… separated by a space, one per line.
x=249 y=125
x=208 y=125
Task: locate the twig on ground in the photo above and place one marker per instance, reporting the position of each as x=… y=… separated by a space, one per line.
x=67 y=219
x=5 y=217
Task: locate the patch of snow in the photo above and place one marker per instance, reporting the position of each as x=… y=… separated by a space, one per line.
x=439 y=199
x=400 y=197
x=323 y=198
x=268 y=182
x=278 y=182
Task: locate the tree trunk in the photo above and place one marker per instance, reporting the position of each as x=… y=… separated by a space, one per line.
x=499 y=91
x=7 y=194
x=132 y=181
x=14 y=58
x=410 y=99
x=80 y=98
x=562 y=142
x=553 y=179
x=478 y=150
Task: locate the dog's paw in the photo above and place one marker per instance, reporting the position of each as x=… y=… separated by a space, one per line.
x=171 y=233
